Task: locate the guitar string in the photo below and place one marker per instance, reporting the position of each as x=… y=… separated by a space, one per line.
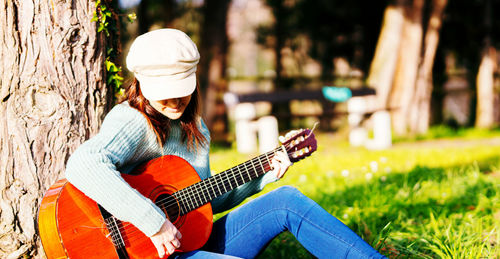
x=127 y=225
x=228 y=177
x=205 y=187
x=201 y=187
x=232 y=173
x=130 y=235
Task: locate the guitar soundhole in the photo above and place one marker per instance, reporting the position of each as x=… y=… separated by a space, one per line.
x=162 y=197
x=169 y=205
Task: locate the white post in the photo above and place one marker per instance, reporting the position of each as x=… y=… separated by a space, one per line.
x=356 y=108
x=246 y=139
x=382 y=134
x=268 y=133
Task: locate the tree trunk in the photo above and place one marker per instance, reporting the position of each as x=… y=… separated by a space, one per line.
x=485 y=89
x=213 y=51
x=159 y=12
x=407 y=66
x=52 y=98
x=384 y=61
x=485 y=78
x=280 y=42
x=421 y=104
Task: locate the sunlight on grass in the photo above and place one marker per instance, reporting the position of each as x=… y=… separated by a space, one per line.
x=432 y=200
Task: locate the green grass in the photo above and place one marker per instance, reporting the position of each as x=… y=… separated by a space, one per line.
x=432 y=199
x=444 y=132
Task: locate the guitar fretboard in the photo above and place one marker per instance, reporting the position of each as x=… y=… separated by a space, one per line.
x=204 y=191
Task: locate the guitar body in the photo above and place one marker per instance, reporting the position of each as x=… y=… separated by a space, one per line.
x=72 y=225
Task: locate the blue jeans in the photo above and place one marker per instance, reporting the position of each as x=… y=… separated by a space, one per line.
x=246 y=231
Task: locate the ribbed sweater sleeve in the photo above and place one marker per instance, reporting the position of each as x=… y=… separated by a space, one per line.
x=92 y=168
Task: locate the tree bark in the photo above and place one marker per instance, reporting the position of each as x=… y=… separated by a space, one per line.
x=407 y=66
x=52 y=98
x=485 y=89
x=421 y=105
x=386 y=53
x=485 y=78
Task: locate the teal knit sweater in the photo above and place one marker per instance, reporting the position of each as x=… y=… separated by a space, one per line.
x=126 y=140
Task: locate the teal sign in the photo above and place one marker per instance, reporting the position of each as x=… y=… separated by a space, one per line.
x=336 y=94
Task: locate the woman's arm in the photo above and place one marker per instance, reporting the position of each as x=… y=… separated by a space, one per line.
x=93 y=169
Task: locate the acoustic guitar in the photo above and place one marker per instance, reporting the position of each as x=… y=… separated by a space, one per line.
x=71 y=225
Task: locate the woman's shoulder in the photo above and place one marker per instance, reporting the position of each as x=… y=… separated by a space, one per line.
x=123 y=113
x=203 y=128
x=122 y=116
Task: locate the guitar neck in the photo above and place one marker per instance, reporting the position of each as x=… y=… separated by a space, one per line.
x=204 y=191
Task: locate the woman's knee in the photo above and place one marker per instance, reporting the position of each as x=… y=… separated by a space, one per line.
x=289 y=195
x=288 y=190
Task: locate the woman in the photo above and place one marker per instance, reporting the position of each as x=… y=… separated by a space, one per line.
x=161 y=117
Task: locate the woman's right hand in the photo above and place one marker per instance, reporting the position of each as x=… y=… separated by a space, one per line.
x=167 y=239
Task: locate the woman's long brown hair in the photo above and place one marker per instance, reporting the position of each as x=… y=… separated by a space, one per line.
x=160 y=124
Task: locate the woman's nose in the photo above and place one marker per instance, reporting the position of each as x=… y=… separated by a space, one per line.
x=174 y=101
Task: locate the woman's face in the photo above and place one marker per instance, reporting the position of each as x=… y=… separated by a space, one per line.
x=172 y=108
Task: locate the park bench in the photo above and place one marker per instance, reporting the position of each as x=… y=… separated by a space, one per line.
x=249 y=128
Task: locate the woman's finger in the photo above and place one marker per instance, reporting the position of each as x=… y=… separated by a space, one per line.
x=170 y=248
x=280 y=163
x=176 y=243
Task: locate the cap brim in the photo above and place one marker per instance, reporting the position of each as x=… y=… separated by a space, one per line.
x=155 y=88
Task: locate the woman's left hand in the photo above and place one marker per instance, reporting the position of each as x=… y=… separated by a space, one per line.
x=280 y=163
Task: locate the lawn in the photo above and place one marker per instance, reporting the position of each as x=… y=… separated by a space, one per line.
x=430 y=197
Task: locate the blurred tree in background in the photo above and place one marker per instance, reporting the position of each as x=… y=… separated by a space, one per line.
x=393 y=46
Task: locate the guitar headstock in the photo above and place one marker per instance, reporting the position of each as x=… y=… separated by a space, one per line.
x=300 y=145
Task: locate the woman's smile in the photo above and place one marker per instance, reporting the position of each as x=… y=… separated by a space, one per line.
x=172 y=108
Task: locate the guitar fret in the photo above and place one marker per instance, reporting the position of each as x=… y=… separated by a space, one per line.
x=255 y=170
x=197 y=193
x=218 y=188
x=221 y=181
x=248 y=173
x=268 y=161
x=206 y=191
x=191 y=202
x=178 y=197
x=202 y=193
x=186 y=198
x=241 y=177
x=263 y=168
x=211 y=185
x=234 y=176
x=228 y=180
x=185 y=203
